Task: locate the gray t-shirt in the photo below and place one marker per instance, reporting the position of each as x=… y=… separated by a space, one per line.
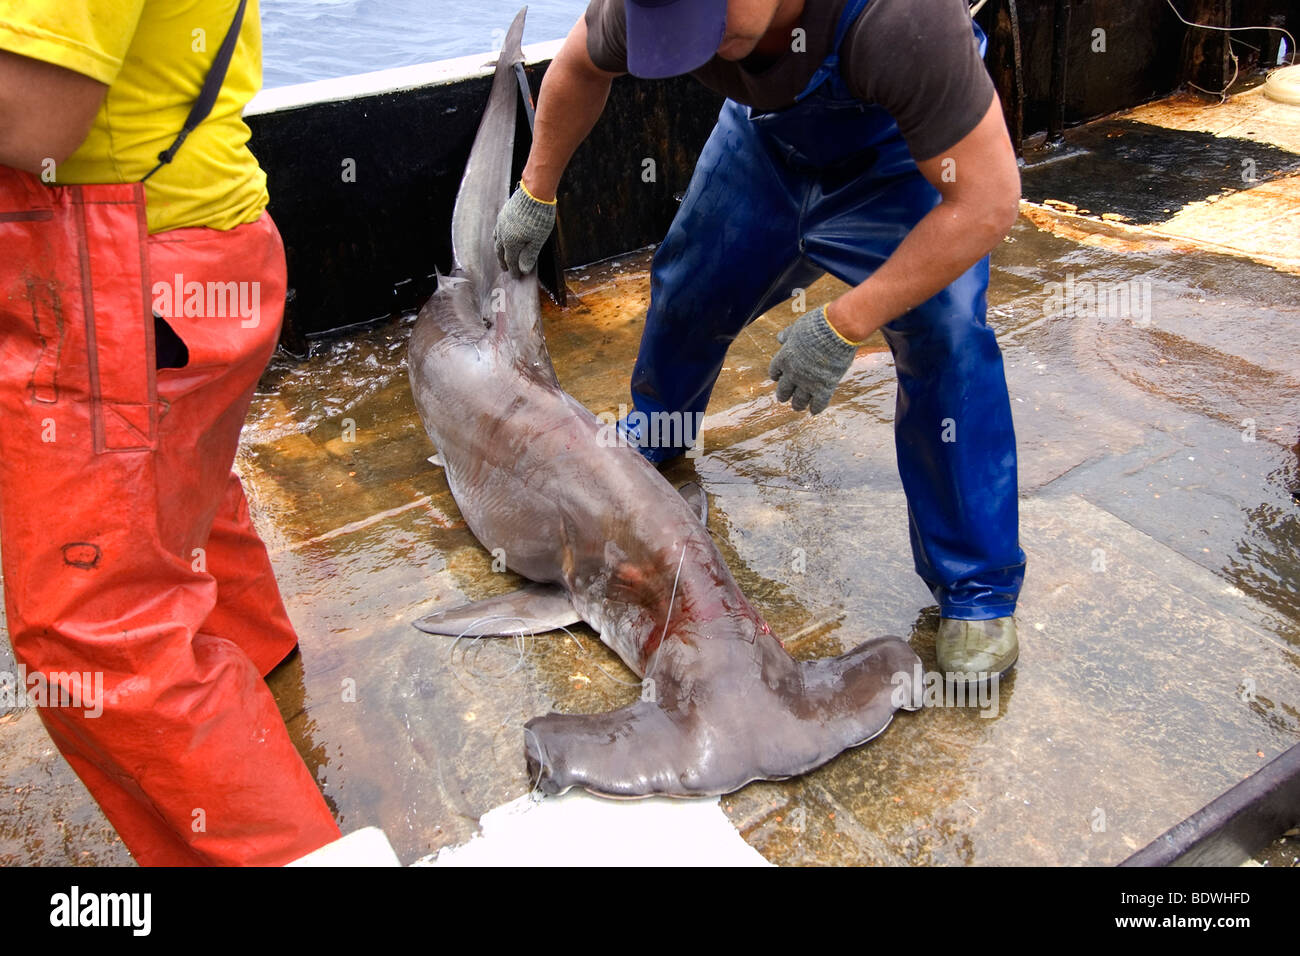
x=916 y=58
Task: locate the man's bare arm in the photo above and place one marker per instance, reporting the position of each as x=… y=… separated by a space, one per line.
x=980 y=184
x=572 y=98
x=46 y=111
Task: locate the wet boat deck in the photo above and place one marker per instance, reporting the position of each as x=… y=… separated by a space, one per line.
x=1160 y=512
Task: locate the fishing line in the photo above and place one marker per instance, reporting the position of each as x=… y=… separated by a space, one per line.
x=535 y=793
x=585 y=653
x=654 y=665
x=1223 y=93
x=535 y=786
x=520 y=645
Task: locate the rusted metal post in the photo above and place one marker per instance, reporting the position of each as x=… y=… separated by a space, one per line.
x=1206 y=63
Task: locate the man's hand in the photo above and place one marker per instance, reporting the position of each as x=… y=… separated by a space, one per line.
x=812 y=360
x=521 y=231
x=573 y=95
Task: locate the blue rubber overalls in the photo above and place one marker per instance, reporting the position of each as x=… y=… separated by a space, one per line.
x=829 y=185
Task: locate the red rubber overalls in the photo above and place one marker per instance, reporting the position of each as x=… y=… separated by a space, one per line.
x=127 y=546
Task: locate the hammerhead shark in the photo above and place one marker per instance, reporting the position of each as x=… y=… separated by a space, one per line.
x=607 y=540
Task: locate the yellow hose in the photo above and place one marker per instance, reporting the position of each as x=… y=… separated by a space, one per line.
x=1284 y=85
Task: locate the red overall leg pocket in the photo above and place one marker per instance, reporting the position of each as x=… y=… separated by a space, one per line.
x=107 y=483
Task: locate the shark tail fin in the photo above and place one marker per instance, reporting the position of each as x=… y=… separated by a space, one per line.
x=486 y=184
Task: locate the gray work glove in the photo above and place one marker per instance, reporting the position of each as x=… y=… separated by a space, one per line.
x=521 y=231
x=810 y=363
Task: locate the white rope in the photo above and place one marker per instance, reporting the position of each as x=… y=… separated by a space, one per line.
x=1207 y=26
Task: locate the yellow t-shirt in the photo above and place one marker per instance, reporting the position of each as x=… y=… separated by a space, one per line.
x=154 y=55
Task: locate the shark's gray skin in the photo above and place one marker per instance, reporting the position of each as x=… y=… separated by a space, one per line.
x=610 y=542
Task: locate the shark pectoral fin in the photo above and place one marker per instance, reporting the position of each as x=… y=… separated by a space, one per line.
x=534 y=609
x=695 y=497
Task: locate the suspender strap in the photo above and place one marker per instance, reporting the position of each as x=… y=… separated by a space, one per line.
x=852 y=10
x=848 y=16
x=208 y=94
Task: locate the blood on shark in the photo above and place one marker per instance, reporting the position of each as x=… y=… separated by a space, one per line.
x=608 y=541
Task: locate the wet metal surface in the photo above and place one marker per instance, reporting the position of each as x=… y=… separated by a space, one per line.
x=1217 y=177
x=1159 y=617
x=1145 y=173
x=1160 y=621
x=1251 y=115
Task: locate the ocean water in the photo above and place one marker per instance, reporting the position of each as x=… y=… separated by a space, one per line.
x=318 y=39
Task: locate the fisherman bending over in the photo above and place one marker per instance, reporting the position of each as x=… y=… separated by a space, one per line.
x=862 y=138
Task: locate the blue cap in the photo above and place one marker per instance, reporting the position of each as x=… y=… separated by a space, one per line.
x=672 y=37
